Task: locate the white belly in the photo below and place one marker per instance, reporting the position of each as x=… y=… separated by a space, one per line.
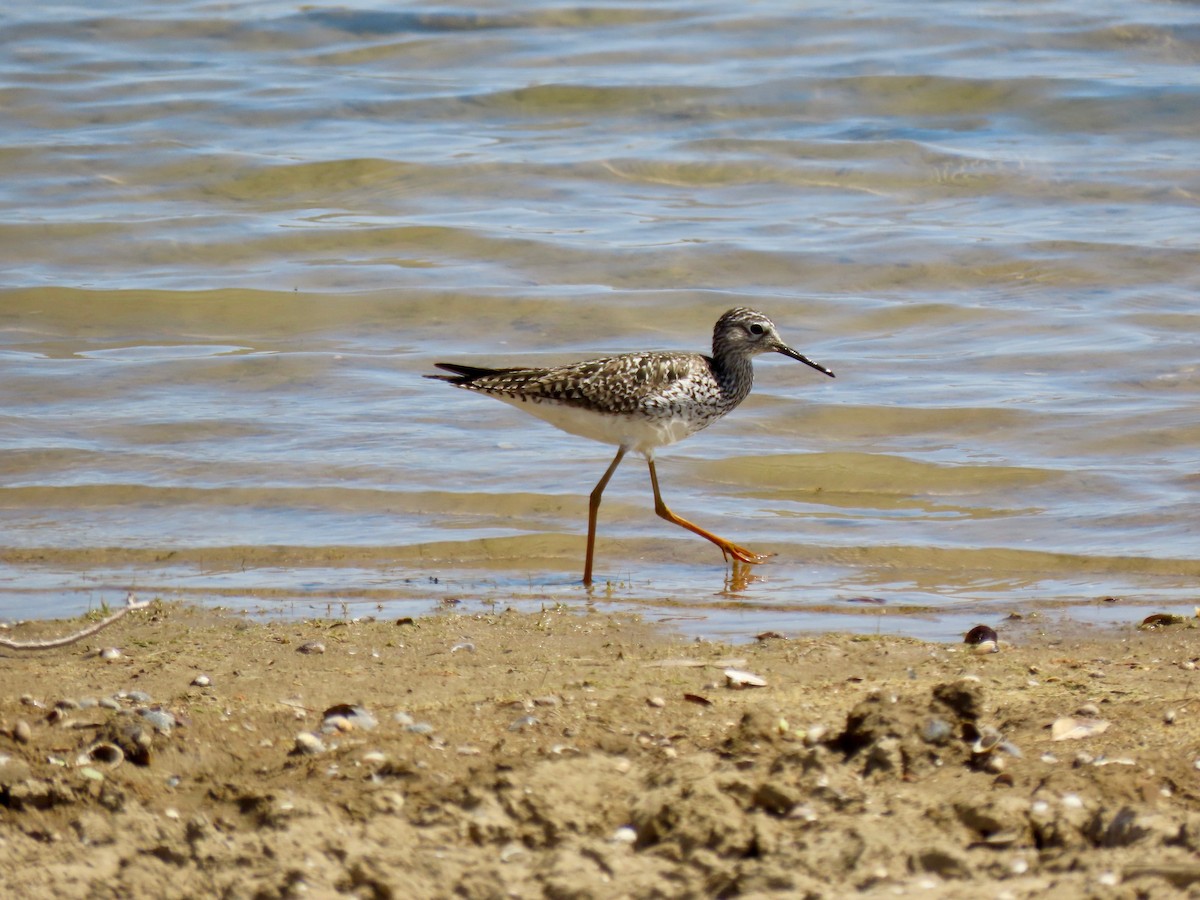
x=635 y=433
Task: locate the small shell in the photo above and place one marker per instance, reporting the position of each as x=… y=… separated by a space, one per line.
x=311 y=647
x=989 y=739
x=347 y=717
x=524 y=723
x=110 y=653
x=737 y=678
x=1070 y=728
x=103 y=753
x=981 y=634
x=465 y=646
x=201 y=681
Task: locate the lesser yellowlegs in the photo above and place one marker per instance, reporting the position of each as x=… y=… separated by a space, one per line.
x=640 y=401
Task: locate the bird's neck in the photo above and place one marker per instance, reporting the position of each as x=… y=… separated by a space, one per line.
x=735 y=375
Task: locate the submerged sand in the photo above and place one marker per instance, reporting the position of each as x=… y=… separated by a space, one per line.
x=572 y=754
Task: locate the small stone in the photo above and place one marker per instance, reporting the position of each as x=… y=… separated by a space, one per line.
x=311 y=647
x=388 y=802
x=936 y=730
x=656 y=702
x=110 y=653
x=201 y=681
x=624 y=835
x=21 y=732
x=158 y=719
x=737 y=678
x=814 y=735
x=308 y=744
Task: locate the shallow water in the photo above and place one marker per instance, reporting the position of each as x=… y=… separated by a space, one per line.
x=235 y=235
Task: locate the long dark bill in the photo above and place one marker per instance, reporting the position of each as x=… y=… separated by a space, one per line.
x=797 y=355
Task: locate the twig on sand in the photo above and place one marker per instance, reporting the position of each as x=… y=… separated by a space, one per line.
x=131 y=603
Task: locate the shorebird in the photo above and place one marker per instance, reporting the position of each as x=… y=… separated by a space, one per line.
x=640 y=401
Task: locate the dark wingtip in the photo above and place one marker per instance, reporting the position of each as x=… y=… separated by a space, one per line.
x=461 y=375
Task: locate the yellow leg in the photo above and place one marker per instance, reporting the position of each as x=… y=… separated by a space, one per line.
x=740 y=554
x=593 y=509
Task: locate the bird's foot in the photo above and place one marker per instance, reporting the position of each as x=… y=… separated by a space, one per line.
x=742 y=555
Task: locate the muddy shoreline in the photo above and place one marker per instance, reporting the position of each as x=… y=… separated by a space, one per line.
x=568 y=754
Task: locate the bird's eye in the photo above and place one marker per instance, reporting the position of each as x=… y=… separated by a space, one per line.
x=756 y=330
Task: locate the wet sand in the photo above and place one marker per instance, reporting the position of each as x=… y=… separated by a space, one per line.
x=568 y=754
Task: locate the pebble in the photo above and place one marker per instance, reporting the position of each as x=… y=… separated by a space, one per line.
x=158 y=719
x=656 y=702
x=937 y=731
x=625 y=835
x=309 y=744
x=311 y=647
x=388 y=801
x=201 y=681
x=110 y=653
x=524 y=723
x=814 y=735
x=21 y=732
